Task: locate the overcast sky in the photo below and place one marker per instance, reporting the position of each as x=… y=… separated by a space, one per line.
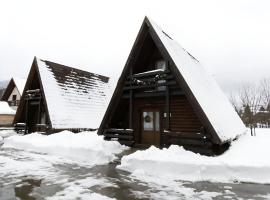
x=231 y=38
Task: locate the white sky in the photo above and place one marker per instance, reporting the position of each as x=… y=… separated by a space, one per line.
x=229 y=37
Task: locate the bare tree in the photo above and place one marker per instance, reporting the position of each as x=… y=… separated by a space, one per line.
x=250 y=98
x=265 y=91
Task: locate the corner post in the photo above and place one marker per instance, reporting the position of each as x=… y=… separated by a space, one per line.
x=131 y=103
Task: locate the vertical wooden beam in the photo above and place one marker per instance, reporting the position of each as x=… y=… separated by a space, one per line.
x=131 y=104
x=167 y=108
x=26 y=117
x=38 y=118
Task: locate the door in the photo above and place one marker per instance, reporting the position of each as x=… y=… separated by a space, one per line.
x=150 y=121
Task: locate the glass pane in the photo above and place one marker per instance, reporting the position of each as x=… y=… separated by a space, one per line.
x=157 y=121
x=161 y=64
x=148 y=123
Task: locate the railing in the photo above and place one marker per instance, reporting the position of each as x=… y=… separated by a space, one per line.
x=14 y=103
x=123 y=136
x=33 y=94
x=184 y=138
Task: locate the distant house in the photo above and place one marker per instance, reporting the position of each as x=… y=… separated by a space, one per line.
x=13 y=92
x=6 y=114
x=164 y=97
x=57 y=97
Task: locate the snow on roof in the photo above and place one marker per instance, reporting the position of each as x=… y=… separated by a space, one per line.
x=5 y=109
x=212 y=100
x=75 y=98
x=20 y=83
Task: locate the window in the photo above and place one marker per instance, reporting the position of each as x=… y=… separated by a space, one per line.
x=14 y=97
x=148 y=121
x=161 y=64
x=151 y=121
x=157 y=121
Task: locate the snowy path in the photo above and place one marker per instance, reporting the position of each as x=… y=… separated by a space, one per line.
x=30 y=175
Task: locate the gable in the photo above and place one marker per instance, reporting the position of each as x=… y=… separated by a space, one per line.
x=8 y=90
x=206 y=98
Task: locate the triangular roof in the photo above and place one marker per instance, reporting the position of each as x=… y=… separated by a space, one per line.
x=14 y=82
x=74 y=98
x=202 y=91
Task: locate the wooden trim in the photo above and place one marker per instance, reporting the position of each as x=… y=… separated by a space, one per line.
x=169 y=83
x=146 y=74
x=153 y=94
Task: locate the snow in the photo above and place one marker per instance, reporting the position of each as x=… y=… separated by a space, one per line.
x=5 y=109
x=148 y=72
x=7 y=133
x=245 y=161
x=212 y=100
x=80 y=188
x=74 y=104
x=20 y=83
x=83 y=147
x=1 y=140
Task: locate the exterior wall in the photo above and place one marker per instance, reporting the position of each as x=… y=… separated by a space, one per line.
x=6 y=119
x=14 y=92
x=183 y=119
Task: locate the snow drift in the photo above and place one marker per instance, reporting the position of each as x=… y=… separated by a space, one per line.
x=7 y=133
x=83 y=147
x=247 y=160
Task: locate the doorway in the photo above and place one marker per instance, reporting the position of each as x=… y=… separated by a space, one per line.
x=150 y=126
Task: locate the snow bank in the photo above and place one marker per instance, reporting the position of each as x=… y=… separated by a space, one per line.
x=247 y=160
x=1 y=140
x=5 y=109
x=7 y=133
x=84 y=147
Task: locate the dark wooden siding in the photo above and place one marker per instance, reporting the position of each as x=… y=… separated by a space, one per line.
x=183 y=118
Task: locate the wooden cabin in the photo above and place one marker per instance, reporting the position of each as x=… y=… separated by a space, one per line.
x=13 y=92
x=58 y=97
x=165 y=97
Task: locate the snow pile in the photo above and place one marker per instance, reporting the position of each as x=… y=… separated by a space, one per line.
x=7 y=133
x=5 y=109
x=84 y=147
x=247 y=160
x=212 y=100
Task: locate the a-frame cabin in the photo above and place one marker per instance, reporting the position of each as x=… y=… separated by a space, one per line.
x=57 y=97
x=165 y=97
x=13 y=92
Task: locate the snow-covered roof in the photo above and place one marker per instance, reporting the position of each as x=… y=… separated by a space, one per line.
x=212 y=100
x=20 y=83
x=75 y=98
x=5 y=109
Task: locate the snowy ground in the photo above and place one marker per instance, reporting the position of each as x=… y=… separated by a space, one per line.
x=32 y=170
x=247 y=160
